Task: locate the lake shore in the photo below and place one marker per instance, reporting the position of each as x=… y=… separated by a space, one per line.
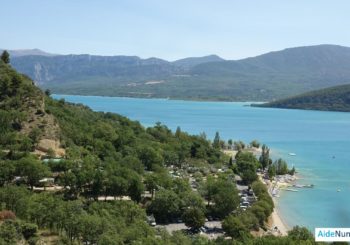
x=275 y=220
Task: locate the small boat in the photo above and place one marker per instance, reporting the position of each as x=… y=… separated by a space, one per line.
x=293 y=190
x=338 y=190
x=309 y=186
x=292 y=154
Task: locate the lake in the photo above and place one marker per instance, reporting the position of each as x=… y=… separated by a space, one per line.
x=321 y=141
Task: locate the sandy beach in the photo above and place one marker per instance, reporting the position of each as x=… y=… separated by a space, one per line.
x=276 y=221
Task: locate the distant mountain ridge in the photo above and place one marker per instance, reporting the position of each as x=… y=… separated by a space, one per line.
x=193 y=61
x=26 y=52
x=265 y=77
x=329 y=99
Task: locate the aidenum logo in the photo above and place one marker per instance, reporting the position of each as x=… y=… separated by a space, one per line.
x=332 y=234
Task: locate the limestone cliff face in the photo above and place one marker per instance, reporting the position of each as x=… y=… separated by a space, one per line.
x=45 y=124
x=41 y=74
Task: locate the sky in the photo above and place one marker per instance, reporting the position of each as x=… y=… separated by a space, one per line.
x=171 y=30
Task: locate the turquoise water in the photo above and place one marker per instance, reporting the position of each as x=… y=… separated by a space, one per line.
x=321 y=141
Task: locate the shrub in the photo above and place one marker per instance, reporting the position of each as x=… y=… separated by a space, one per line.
x=28 y=230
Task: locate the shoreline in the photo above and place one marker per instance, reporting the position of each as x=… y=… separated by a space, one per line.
x=163 y=98
x=276 y=218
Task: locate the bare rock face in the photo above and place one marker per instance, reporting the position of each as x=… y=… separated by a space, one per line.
x=45 y=126
x=46 y=145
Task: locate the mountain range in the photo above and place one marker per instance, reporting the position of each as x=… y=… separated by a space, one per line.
x=266 y=77
x=26 y=52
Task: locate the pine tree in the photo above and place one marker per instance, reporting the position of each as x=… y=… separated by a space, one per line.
x=5 y=57
x=230 y=163
x=178 y=132
x=265 y=157
x=216 y=142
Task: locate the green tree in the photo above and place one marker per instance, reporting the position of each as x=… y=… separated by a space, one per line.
x=234 y=227
x=264 y=159
x=249 y=220
x=34 y=135
x=208 y=189
x=90 y=228
x=259 y=188
x=110 y=238
x=47 y=92
x=44 y=210
x=5 y=57
x=16 y=82
x=194 y=217
x=7 y=172
x=133 y=163
x=178 y=132
x=70 y=222
x=300 y=234
x=5 y=83
x=166 y=206
x=193 y=200
x=9 y=233
x=28 y=230
x=16 y=199
x=226 y=198
x=247 y=166
x=259 y=212
x=151 y=183
x=255 y=144
x=32 y=169
x=216 y=141
x=150 y=157
x=271 y=171
x=179 y=238
x=281 y=167
x=180 y=186
x=117 y=186
x=230 y=162
x=292 y=171
x=239 y=145
x=135 y=188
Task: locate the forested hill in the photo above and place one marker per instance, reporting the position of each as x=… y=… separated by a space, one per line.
x=69 y=175
x=330 y=99
x=99 y=155
x=267 y=77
